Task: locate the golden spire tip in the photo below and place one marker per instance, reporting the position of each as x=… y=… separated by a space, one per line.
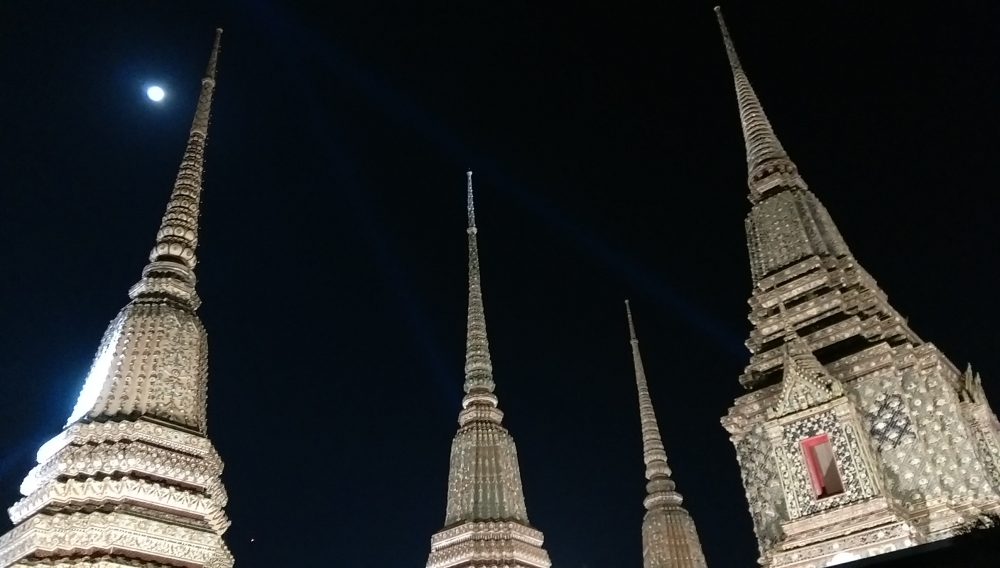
x=734 y=59
x=470 y=205
x=631 y=325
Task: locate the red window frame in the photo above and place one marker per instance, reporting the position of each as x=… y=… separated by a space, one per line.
x=820 y=489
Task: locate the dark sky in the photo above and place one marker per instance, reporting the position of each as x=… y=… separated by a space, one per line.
x=609 y=163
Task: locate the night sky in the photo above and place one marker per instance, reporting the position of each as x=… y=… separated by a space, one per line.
x=609 y=164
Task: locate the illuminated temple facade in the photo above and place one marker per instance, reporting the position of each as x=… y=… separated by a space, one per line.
x=133 y=480
x=669 y=536
x=486 y=523
x=856 y=437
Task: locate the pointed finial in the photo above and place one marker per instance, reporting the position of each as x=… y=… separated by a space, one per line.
x=479 y=401
x=631 y=324
x=202 y=113
x=470 y=205
x=669 y=537
x=173 y=259
x=734 y=59
x=214 y=58
x=660 y=489
x=968 y=387
x=769 y=166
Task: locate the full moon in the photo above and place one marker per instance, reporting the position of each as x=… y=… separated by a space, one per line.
x=155 y=93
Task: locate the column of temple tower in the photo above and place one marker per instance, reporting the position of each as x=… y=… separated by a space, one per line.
x=486 y=523
x=856 y=437
x=133 y=480
x=669 y=536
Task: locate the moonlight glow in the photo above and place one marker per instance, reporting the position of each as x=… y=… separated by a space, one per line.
x=156 y=93
x=98 y=375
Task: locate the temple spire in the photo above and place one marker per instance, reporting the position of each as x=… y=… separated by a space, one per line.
x=133 y=479
x=478 y=367
x=660 y=489
x=768 y=164
x=173 y=255
x=485 y=519
x=669 y=536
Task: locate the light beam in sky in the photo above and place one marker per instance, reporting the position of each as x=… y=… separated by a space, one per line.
x=156 y=93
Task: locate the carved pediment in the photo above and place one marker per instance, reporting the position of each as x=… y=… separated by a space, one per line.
x=805 y=383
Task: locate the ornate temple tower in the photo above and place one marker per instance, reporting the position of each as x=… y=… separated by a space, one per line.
x=486 y=524
x=857 y=437
x=669 y=537
x=133 y=480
